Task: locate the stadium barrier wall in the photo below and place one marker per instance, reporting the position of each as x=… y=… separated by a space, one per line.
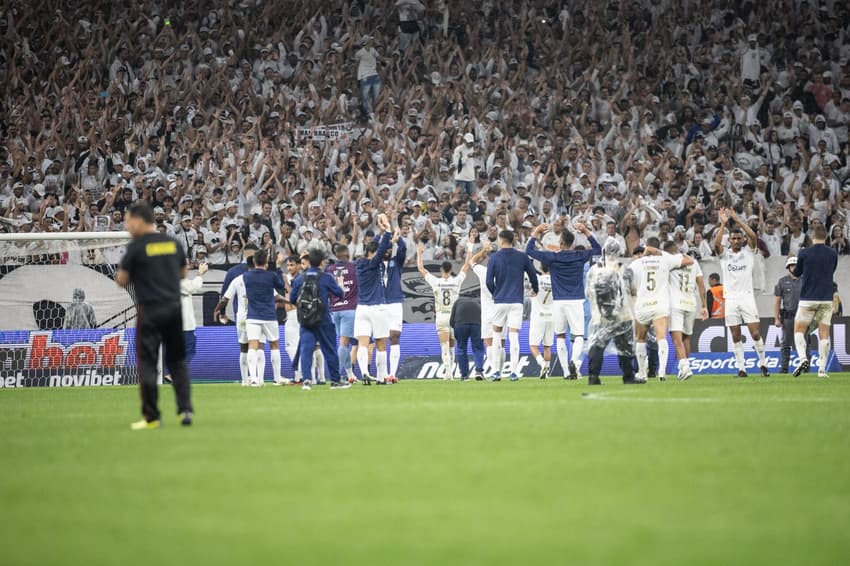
x=72 y=358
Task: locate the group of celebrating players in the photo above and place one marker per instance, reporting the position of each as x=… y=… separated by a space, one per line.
x=659 y=290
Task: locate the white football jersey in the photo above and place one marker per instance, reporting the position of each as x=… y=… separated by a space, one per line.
x=683 y=287
x=486 y=297
x=446 y=291
x=651 y=281
x=237 y=289
x=541 y=304
x=738 y=273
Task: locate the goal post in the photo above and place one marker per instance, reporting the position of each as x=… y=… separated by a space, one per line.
x=65 y=321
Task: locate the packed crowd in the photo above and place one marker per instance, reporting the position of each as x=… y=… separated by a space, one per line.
x=294 y=129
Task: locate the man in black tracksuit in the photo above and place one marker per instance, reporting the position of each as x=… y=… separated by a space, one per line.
x=154 y=264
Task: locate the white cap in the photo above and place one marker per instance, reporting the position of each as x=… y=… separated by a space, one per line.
x=468 y=138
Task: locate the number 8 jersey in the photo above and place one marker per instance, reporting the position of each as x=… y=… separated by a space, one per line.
x=446 y=291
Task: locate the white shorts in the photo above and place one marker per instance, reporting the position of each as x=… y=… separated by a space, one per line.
x=395 y=316
x=817 y=311
x=648 y=316
x=541 y=329
x=507 y=315
x=568 y=315
x=682 y=321
x=741 y=311
x=442 y=319
x=371 y=320
x=242 y=332
x=487 y=321
x=259 y=329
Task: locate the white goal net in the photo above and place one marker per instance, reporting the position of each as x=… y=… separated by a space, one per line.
x=65 y=322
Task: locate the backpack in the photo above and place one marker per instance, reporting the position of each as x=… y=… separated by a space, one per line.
x=309 y=305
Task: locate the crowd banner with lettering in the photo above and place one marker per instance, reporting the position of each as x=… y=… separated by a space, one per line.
x=323 y=133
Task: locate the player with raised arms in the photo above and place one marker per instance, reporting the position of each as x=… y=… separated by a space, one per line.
x=446 y=290
x=816 y=267
x=370 y=317
x=738 y=296
x=685 y=282
x=505 y=282
x=649 y=274
x=393 y=266
x=487 y=307
x=566 y=268
x=540 y=327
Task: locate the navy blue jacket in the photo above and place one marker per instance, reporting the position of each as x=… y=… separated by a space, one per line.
x=394 y=269
x=566 y=268
x=816 y=266
x=260 y=285
x=504 y=276
x=370 y=282
x=327 y=287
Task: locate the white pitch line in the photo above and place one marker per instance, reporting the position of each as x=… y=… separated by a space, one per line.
x=607 y=397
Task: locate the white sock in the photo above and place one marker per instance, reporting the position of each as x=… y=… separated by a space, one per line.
x=363 y=360
x=243 y=366
x=446 y=356
x=381 y=363
x=252 y=364
x=759 y=348
x=319 y=364
x=261 y=365
x=683 y=364
x=540 y=361
x=495 y=354
x=395 y=358
x=823 y=353
x=663 y=354
x=578 y=348
x=640 y=354
x=513 y=339
x=800 y=343
x=561 y=347
x=739 y=355
x=275 y=356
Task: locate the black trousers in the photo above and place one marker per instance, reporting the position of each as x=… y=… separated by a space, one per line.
x=161 y=324
x=622 y=335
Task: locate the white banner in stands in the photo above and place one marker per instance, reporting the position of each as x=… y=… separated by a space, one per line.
x=324 y=133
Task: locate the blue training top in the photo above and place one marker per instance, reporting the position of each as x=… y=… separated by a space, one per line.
x=260 y=285
x=370 y=281
x=816 y=266
x=504 y=276
x=394 y=267
x=566 y=268
x=327 y=286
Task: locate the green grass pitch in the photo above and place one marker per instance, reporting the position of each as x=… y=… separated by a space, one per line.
x=712 y=471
